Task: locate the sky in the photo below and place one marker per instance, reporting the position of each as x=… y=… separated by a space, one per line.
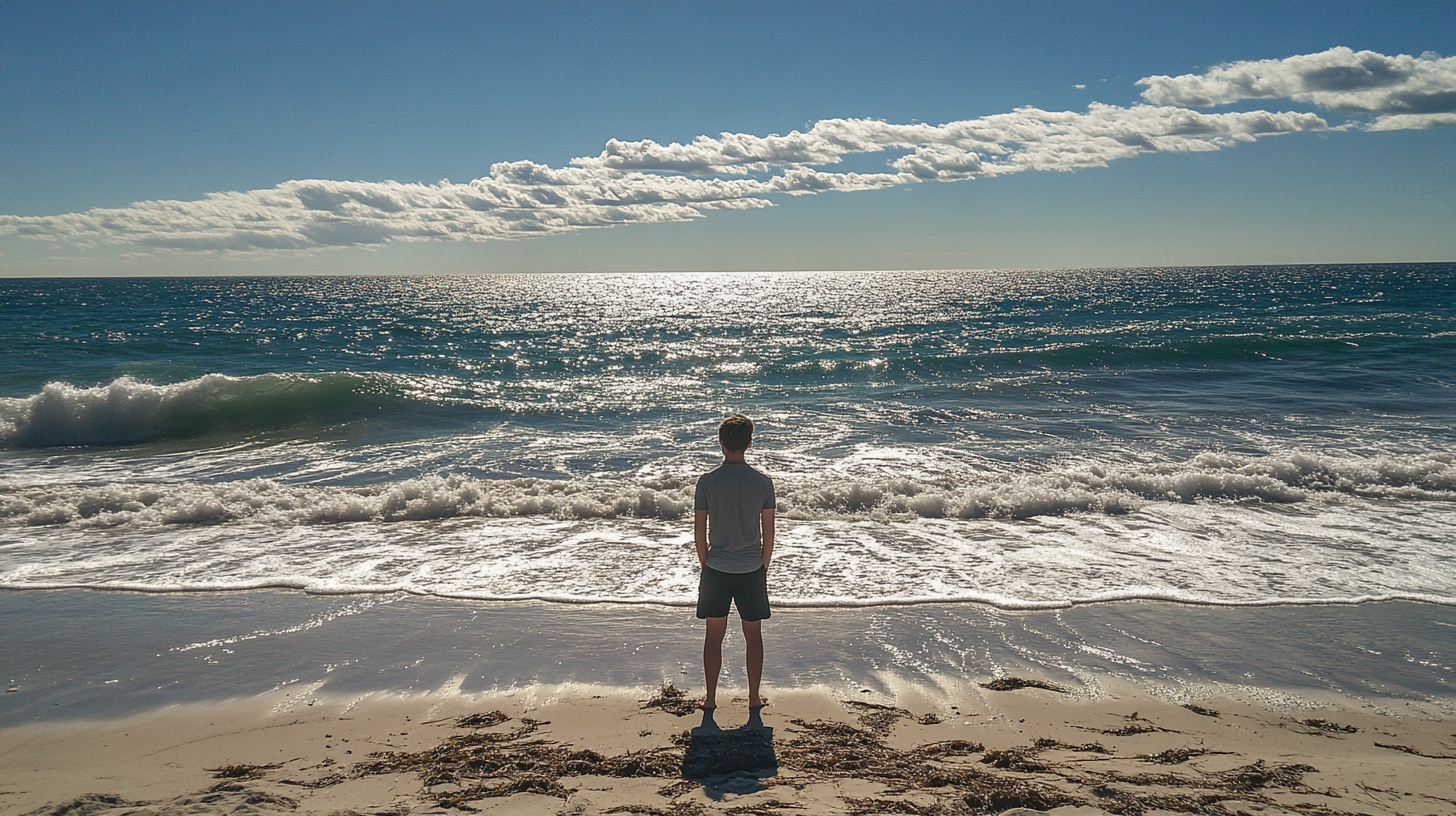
x=222 y=138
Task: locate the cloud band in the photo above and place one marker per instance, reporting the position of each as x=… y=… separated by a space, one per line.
x=647 y=182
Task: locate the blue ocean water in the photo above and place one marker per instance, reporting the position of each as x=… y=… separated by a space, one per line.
x=1027 y=439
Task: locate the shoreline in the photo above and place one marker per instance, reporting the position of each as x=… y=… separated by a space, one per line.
x=811 y=605
x=78 y=654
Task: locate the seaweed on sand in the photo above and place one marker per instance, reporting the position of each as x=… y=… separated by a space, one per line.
x=1014 y=683
x=1136 y=724
x=1177 y=756
x=881 y=719
x=1416 y=751
x=830 y=750
x=673 y=700
x=1198 y=709
x=486 y=764
x=947 y=778
x=1329 y=727
x=241 y=771
x=837 y=750
x=486 y=720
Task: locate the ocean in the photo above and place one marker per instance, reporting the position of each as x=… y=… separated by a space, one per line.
x=1000 y=440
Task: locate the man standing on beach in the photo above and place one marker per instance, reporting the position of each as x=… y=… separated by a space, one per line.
x=733 y=529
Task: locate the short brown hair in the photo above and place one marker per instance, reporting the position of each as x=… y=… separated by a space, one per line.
x=736 y=432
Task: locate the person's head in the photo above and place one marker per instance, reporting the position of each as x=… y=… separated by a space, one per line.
x=736 y=433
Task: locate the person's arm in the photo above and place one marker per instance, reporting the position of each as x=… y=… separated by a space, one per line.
x=700 y=535
x=768 y=537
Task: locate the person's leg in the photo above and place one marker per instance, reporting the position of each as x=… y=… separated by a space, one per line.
x=753 y=636
x=713 y=658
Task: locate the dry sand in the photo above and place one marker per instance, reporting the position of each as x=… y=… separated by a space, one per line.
x=580 y=751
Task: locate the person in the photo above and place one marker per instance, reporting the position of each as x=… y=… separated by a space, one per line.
x=733 y=530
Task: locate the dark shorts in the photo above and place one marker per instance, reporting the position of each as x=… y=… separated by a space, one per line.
x=746 y=590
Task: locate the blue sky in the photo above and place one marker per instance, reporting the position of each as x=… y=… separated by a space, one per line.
x=108 y=104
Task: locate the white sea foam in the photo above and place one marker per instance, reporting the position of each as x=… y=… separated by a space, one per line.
x=1345 y=550
x=1097 y=489
x=126 y=410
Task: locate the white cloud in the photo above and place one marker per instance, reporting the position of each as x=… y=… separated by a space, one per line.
x=646 y=182
x=1338 y=79
x=1412 y=121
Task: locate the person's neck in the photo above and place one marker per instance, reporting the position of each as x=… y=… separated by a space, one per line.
x=734 y=456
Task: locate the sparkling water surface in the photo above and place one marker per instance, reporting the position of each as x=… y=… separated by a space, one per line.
x=1245 y=435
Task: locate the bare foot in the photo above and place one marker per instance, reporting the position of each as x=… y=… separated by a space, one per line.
x=757 y=702
x=707 y=705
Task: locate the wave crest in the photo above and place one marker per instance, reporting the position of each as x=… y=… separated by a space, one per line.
x=1087 y=489
x=127 y=411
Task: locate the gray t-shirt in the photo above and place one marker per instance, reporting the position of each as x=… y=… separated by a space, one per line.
x=735 y=496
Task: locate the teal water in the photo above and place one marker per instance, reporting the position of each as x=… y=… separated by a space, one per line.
x=1235 y=435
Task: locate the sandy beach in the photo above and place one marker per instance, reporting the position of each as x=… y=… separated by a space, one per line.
x=587 y=750
x=283 y=702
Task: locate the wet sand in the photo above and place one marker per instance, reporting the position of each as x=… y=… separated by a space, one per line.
x=272 y=701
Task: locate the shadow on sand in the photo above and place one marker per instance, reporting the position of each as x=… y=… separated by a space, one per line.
x=730 y=760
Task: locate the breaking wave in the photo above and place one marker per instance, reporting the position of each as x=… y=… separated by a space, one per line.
x=128 y=411
x=1283 y=479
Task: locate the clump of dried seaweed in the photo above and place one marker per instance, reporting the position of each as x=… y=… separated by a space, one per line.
x=877 y=718
x=488 y=764
x=1258 y=775
x=675 y=809
x=1014 y=683
x=486 y=720
x=838 y=750
x=1198 y=709
x=1411 y=750
x=1027 y=758
x=673 y=700
x=1243 y=784
x=241 y=771
x=1175 y=756
x=1326 y=725
x=832 y=750
x=1135 y=724
x=881 y=719
x=1023 y=759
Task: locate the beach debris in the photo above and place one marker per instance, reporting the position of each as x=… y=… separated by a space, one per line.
x=1022 y=759
x=1326 y=725
x=1198 y=709
x=226 y=797
x=946 y=778
x=929 y=718
x=485 y=720
x=242 y=771
x=673 y=790
x=487 y=764
x=1177 y=756
x=767 y=808
x=878 y=718
x=674 y=809
x=1086 y=748
x=673 y=700
x=1257 y=775
x=1411 y=750
x=1136 y=724
x=1014 y=683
